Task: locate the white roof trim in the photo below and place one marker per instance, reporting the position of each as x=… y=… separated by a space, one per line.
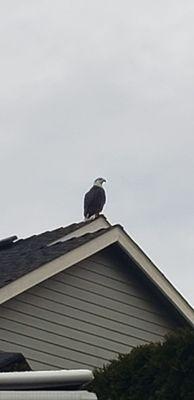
x=116 y=234
x=156 y=276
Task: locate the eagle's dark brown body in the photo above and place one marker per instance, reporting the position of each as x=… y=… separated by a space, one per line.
x=94 y=201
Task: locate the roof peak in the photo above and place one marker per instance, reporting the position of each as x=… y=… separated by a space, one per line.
x=82 y=228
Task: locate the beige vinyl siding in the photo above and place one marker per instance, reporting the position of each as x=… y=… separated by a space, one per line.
x=83 y=317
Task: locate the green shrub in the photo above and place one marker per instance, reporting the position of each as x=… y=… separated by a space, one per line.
x=157 y=371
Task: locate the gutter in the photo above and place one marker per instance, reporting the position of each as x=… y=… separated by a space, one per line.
x=49 y=380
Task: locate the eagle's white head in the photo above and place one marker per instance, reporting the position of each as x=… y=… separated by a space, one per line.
x=99 y=182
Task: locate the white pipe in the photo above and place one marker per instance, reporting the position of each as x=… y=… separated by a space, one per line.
x=46 y=395
x=43 y=379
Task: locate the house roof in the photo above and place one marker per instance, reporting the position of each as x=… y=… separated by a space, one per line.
x=10 y=362
x=29 y=254
x=30 y=261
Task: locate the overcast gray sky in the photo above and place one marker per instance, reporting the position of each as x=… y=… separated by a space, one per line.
x=101 y=88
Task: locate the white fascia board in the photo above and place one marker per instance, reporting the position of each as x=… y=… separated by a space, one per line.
x=156 y=276
x=90 y=227
x=46 y=395
x=59 y=264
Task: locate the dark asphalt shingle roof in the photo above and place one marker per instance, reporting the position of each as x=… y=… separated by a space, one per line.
x=26 y=255
x=10 y=362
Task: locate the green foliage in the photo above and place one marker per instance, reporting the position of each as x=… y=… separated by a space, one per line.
x=157 y=371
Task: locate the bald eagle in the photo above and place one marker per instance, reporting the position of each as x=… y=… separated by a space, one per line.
x=94 y=200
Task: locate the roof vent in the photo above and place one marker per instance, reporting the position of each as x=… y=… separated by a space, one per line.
x=7 y=242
